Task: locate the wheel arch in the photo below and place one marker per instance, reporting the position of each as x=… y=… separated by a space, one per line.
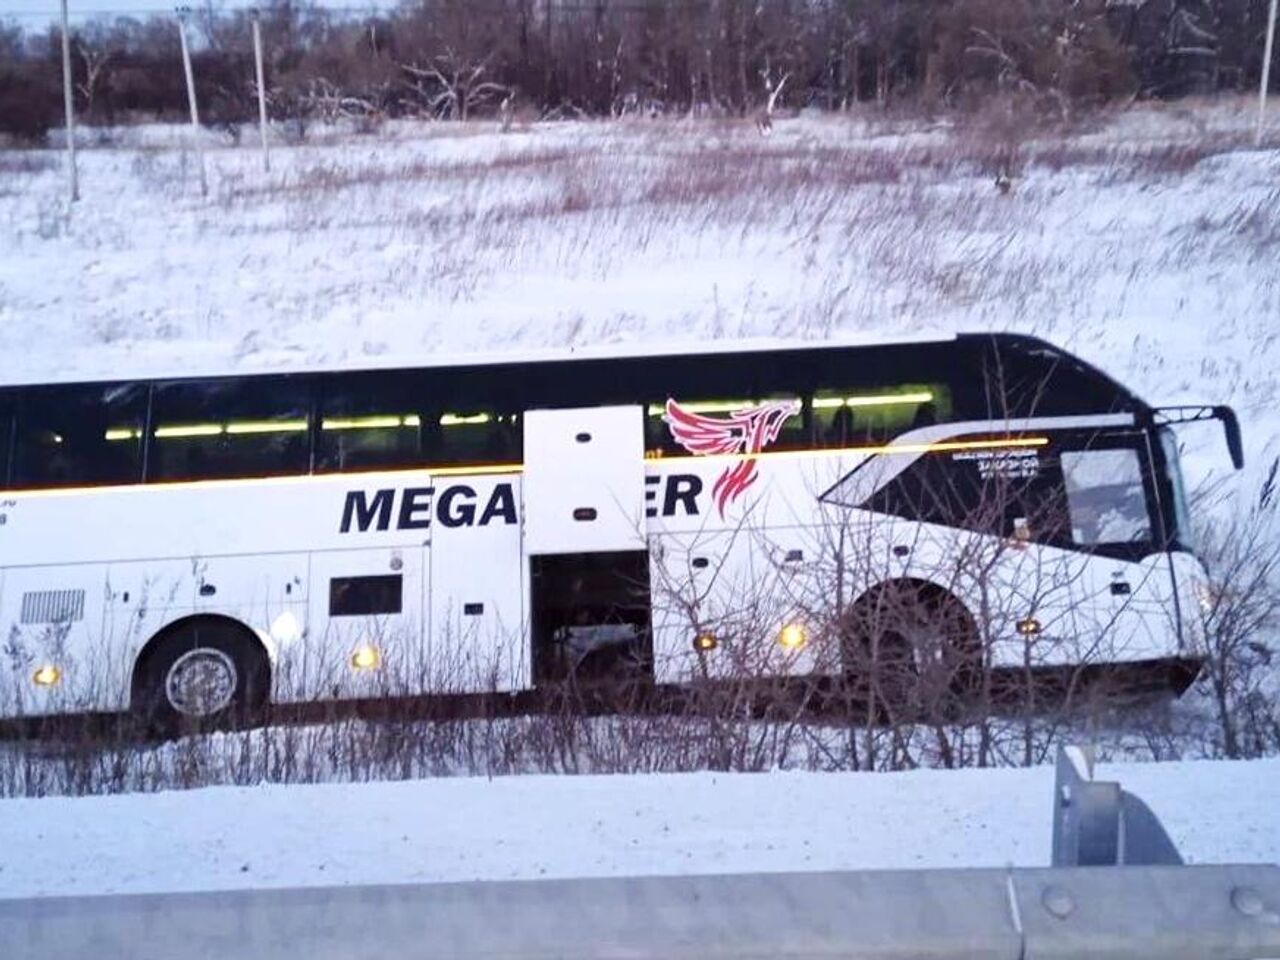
x=253 y=638
x=922 y=587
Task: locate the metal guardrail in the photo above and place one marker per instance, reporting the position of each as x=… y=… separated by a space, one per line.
x=1151 y=907
x=1171 y=913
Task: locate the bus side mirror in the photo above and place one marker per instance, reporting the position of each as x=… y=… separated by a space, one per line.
x=1231 y=426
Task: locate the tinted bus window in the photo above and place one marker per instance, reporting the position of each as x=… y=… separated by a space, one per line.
x=230 y=428
x=783 y=418
x=876 y=414
x=6 y=435
x=474 y=416
x=470 y=435
x=371 y=420
x=1013 y=493
x=79 y=434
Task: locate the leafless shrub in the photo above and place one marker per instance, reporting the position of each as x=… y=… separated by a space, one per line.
x=1241 y=677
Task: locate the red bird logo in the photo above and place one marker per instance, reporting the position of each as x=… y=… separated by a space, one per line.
x=746 y=432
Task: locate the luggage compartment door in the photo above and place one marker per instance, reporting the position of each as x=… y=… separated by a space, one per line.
x=584 y=480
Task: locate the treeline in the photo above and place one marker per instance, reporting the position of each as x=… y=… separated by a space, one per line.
x=450 y=59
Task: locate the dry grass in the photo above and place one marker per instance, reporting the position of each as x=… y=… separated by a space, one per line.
x=832 y=225
x=19 y=162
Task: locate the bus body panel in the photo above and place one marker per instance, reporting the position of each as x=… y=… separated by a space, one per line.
x=349 y=608
x=478 y=606
x=58 y=622
x=758 y=578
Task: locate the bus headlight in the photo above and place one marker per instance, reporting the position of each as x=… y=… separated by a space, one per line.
x=366 y=657
x=792 y=636
x=705 y=641
x=47 y=676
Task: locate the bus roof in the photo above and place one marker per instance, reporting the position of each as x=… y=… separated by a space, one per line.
x=492 y=358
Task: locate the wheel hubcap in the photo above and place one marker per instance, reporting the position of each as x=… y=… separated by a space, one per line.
x=201 y=682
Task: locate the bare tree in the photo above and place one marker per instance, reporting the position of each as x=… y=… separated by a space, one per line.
x=452 y=86
x=96 y=58
x=764 y=117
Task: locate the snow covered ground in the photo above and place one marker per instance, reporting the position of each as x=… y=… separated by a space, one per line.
x=459 y=829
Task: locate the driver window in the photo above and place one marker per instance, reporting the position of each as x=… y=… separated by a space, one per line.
x=1105 y=496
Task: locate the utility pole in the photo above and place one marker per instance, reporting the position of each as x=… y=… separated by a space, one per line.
x=262 y=90
x=1266 y=70
x=191 y=97
x=68 y=99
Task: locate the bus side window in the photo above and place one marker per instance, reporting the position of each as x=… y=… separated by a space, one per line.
x=78 y=434
x=370 y=421
x=1013 y=494
x=792 y=431
x=6 y=436
x=875 y=415
x=230 y=428
x=475 y=436
x=1106 y=497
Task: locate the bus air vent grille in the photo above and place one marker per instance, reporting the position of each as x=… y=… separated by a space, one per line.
x=52 y=606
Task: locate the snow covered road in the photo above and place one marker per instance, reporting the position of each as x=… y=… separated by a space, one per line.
x=540 y=826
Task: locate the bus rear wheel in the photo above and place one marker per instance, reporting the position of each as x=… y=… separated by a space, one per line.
x=200 y=675
x=912 y=651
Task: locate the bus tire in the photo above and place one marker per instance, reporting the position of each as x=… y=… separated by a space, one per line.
x=199 y=674
x=911 y=648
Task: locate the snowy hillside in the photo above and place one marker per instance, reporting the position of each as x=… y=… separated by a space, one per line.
x=543 y=827
x=1149 y=244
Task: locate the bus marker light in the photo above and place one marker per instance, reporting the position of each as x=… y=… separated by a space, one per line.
x=704 y=642
x=1029 y=627
x=366 y=657
x=792 y=636
x=46 y=676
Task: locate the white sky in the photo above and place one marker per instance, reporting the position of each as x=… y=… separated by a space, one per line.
x=35 y=12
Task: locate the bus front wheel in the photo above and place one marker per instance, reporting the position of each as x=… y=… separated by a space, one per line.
x=197 y=675
x=913 y=649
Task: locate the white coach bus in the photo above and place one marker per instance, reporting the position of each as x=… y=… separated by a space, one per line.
x=194 y=547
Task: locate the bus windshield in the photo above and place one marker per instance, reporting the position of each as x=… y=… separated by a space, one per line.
x=1182 y=531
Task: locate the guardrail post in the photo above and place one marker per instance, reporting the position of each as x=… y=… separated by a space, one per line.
x=1097 y=824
